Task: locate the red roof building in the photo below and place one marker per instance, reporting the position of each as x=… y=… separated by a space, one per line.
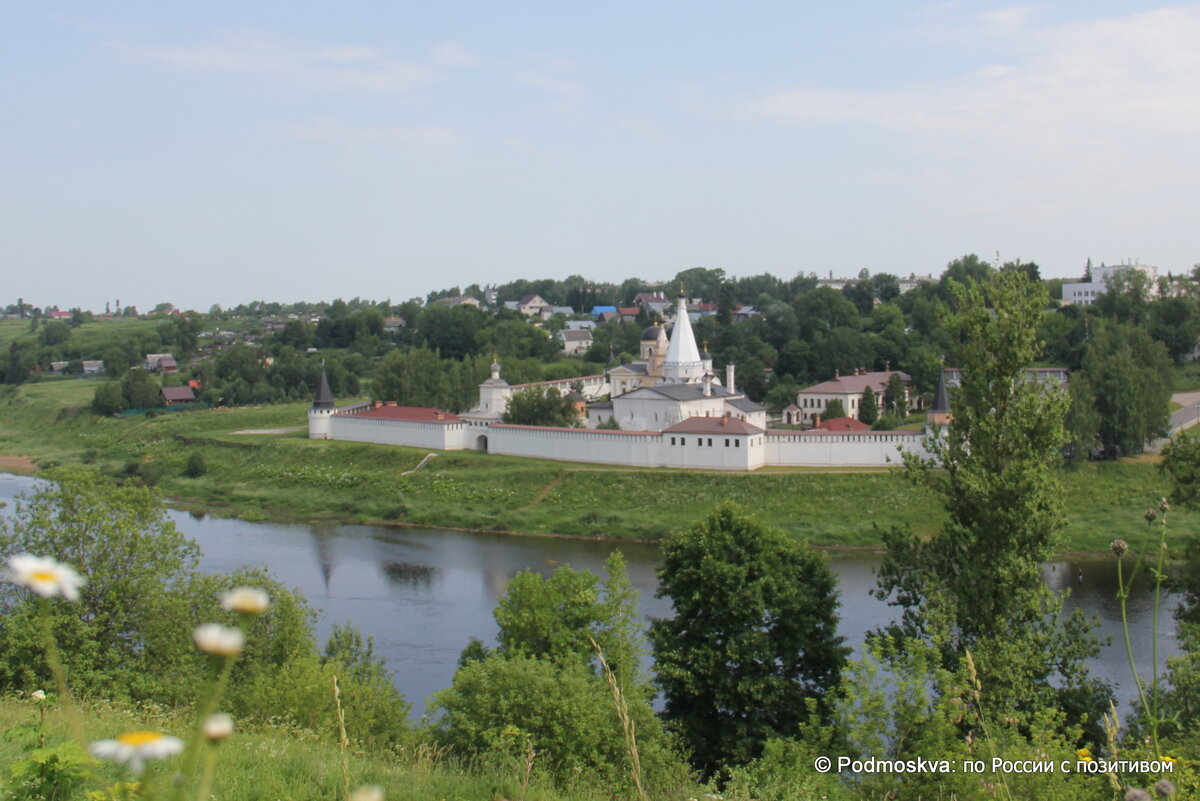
x=412 y=414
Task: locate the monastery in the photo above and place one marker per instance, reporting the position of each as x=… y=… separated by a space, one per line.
x=673 y=411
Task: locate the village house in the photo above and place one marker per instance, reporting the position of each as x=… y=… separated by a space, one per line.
x=161 y=363
x=574 y=342
x=174 y=396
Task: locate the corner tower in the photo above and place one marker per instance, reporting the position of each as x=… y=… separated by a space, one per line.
x=320 y=414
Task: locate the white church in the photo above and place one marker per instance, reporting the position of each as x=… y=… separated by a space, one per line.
x=673 y=411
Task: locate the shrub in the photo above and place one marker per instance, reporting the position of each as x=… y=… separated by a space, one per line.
x=196 y=465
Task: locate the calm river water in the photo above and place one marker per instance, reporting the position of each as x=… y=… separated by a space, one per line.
x=422 y=594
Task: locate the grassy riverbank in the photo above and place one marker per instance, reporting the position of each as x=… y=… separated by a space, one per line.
x=284 y=761
x=283 y=475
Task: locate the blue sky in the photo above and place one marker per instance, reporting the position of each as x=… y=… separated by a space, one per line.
x=226 y=152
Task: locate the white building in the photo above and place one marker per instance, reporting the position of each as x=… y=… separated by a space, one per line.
x=813 y=401
x=1085 y=293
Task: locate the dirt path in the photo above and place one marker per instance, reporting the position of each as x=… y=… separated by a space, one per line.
x=17 y=464
x=546 y=490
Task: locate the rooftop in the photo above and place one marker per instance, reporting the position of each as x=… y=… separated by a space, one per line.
x=713 y=425
x=413 y=414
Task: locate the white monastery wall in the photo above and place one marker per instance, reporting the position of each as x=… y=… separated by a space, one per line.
x=706 y=451
x=442 y=436
x=846 y=449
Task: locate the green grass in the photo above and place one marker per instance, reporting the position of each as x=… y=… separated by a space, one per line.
x=91 y=337
x=289 y=477
x=282 y=761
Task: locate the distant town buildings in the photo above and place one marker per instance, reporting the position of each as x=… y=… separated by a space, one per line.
x=1084 y=293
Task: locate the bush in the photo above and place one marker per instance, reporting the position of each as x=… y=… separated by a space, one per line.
x=196 y=465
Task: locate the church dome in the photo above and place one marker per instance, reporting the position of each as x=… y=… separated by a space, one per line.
x=650 y=334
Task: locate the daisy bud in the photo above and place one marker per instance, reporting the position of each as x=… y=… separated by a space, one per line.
x=213 y=638
x=217 y=727
x=248 y=600
x=368 y=792
x=1119 y=548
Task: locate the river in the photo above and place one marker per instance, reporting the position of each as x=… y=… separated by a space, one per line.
x=422 y=594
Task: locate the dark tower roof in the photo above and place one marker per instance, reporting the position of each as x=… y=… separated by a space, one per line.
x=324 y=397
x=650 y=334
x=941 y=398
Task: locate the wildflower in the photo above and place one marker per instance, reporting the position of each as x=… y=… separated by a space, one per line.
x=213 y=638
x=1165 y=787
x=1164 y=506
x=135 y=747
x=1084 y=754
x=38 y=695
x=1150 y=516
x=368 y=792
x=1119 y=548
x=248 y=600
x=45 y=576
x=217 y=727
x=1137 y=794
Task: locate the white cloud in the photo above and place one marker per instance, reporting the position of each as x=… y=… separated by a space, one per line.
x=337 y=67
x=332 y=130
x=1069 y=85
x=569 y=93
x=450 y=54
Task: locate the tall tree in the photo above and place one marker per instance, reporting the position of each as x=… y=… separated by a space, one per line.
x=895 y=399
x=541 y=406
x=976 y=584
x=1130 y=376
x=868 y=407
x=754 y=636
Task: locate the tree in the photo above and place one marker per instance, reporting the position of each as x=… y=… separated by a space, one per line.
x=55 y=332
x=1130 y=377
x=895 y=398
x=868 y=409
x=128 y=633
x=541 y=406
x=975 y=585
x=108 y=399
x=754 y=636
x=140 y=389
x=543 y=687
x=834 y=409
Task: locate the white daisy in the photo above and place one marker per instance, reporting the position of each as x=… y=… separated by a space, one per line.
x=133 y=748
x=213 y=638
x=47 y=577
x=217 y=727
x=249 y=600
x=368 y=792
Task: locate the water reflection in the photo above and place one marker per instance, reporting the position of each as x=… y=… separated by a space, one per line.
x=423 y=594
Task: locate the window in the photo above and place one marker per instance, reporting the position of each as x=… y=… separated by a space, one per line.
x=737 y=443
x=672 y=440
x=727 y=442
x=710 y=442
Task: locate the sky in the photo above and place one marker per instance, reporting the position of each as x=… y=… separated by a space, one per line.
x=224 y=152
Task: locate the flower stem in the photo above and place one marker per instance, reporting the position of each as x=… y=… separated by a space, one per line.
x=1158 y=582
x=60 y=673
x=1123 y=595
